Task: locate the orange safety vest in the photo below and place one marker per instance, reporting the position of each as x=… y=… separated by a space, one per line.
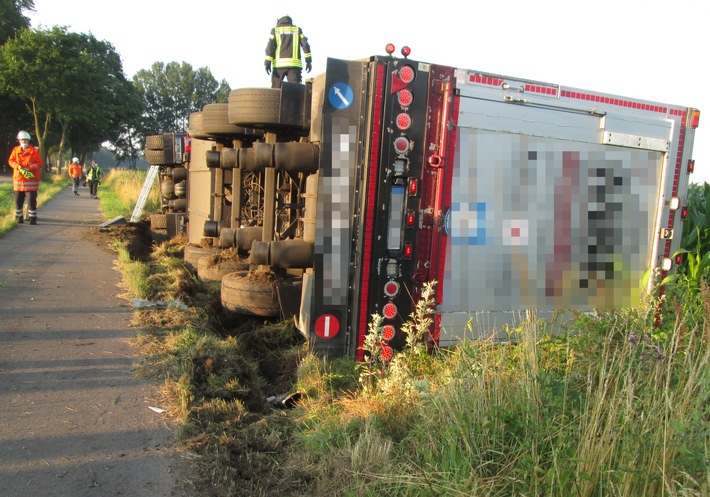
x=75 y=170
x=30 y=159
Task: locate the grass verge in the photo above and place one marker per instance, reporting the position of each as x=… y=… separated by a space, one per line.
x=613 y=405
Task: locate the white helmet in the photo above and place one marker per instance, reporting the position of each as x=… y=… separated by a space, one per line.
x=23 y=135
x=75 y=159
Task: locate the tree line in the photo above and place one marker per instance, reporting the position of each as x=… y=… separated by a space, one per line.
x=70 y=92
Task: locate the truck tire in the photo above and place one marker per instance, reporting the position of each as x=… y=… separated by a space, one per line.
x=154 y=142
x=158 y=222
x=193 y=253
x=209 y=270
x=195 y=127
x=215 y=122
x=249 y=297
x=258 y=107
x=160 y=157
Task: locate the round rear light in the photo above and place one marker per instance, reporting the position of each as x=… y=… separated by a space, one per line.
x=406 y=74
x=406 y=51
x=386 y=352
x=389 y=311
x=389 y=48
x=391 y=289
x=405 y=97
x=401 y=145
x=387 y=332
x=404 y=121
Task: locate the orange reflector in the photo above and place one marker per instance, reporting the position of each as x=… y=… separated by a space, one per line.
x=695 y=118
x=389 y=48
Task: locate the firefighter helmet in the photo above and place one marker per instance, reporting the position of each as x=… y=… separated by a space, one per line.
x=23 y=135
x=75 y=159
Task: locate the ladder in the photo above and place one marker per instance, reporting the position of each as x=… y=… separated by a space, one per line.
x=145 y=191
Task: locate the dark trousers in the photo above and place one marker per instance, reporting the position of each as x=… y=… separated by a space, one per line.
x=31 y=204
x=292 y=75
x=75 y=184
x=93 y=187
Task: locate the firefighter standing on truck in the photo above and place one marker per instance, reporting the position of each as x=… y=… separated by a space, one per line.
x=26 y=162
x=76 y=171
x=283 y=53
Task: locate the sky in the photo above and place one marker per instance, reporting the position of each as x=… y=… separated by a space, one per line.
x=645 y=49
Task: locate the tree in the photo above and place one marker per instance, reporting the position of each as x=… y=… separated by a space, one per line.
x=72 y=79
x=171 y=92
x=13 y=112
x=12 y=17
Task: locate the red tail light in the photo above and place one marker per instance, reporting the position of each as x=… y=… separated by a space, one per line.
x=407 y=251
x=388 y=332
x=683 y=212
x=413 y=186
x=389 y=311
x=407 y=74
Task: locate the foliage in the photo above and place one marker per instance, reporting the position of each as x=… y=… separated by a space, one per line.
x=13 y=18
x=172 y=91
x=71 y=79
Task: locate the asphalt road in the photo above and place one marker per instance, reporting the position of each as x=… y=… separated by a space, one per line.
x=74 y=420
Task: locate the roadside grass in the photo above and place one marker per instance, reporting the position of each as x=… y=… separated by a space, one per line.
x=119 y=192
x=610 y=404
x=48 y=189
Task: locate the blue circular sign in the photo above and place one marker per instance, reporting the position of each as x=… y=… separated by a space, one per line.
x=340 y=95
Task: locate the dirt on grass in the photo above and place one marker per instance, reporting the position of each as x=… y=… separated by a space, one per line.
x=241 y=443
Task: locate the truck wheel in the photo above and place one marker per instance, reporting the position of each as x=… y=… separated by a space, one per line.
x=210 y=270
x=249 y=296
x=258 y=107
x=192 y=255
x=158 y=222
x=214 y=122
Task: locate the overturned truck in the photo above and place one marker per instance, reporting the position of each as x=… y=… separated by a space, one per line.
x=345 y=195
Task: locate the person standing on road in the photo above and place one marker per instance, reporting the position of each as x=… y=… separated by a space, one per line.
x=283 y=53
x=26 y=162
x=93 y=177
x=76 y=171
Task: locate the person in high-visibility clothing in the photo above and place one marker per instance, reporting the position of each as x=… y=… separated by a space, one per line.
x=283 y=53
x=26 y=162
x=93 y=177
x=76 y=171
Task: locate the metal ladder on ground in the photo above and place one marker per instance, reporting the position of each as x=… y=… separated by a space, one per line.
x=145 y=191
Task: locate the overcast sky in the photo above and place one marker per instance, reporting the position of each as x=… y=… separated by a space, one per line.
x=646 y=49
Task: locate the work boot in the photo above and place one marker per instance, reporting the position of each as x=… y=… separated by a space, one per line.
x=33 y=220
x=19 y=219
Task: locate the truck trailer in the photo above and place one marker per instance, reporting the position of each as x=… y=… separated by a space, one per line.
x=355 y=189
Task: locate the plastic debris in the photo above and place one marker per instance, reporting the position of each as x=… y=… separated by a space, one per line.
x=160 y=304
x=159 y=410
x=285 y=401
